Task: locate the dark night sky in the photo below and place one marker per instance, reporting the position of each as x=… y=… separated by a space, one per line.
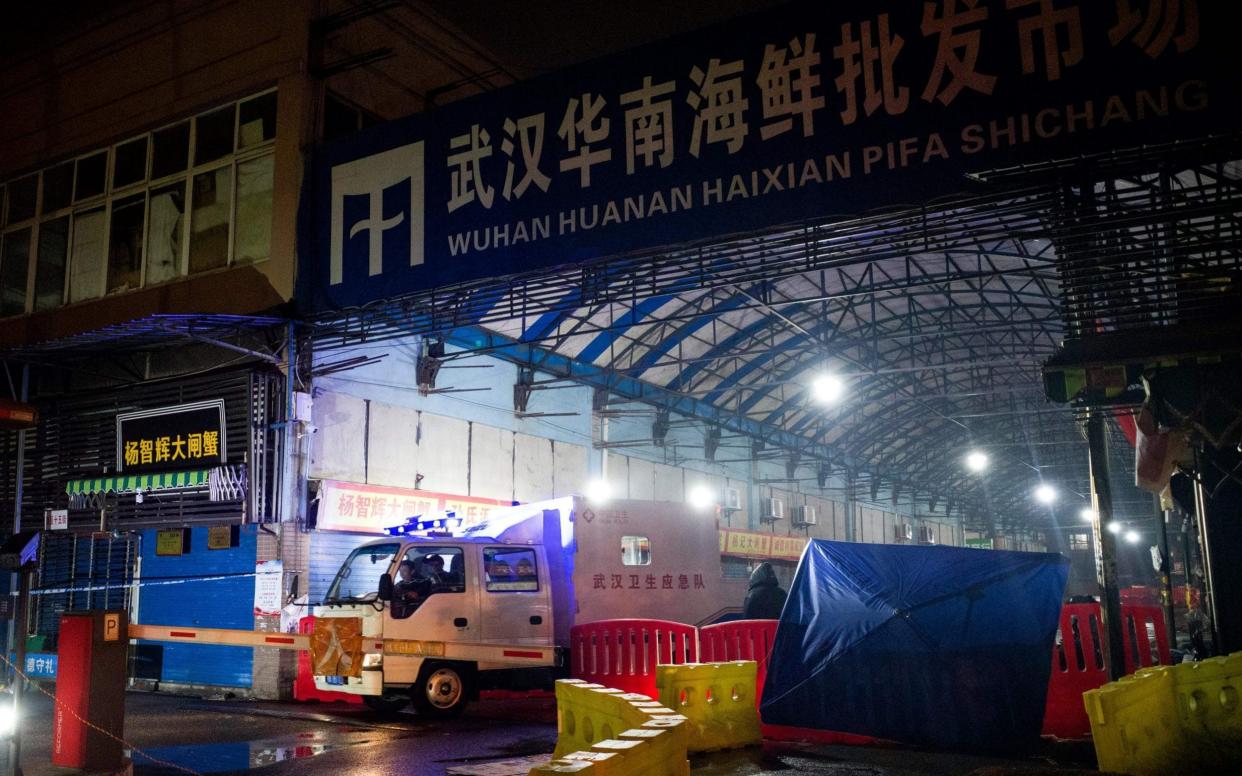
x=536 y=36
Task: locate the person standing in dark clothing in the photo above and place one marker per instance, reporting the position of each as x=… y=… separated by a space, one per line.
x=765 y=598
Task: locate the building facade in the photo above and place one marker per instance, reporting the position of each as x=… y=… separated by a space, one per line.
x=194 y=428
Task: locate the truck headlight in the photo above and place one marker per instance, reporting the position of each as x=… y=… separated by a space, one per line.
x=8 y=715
x=373 y=660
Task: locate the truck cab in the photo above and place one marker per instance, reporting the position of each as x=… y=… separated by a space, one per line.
x=413 y=594
x=440 y=613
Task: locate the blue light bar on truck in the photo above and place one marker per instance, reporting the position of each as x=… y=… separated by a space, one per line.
x=420 y=524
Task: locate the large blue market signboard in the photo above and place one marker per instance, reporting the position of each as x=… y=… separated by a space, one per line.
x=807 y=111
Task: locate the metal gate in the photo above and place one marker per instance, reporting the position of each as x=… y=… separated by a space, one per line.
x=80 y=572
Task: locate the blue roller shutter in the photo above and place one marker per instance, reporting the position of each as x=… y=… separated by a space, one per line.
x=218 y=603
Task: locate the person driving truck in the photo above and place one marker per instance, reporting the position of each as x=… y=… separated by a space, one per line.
x=409 y=589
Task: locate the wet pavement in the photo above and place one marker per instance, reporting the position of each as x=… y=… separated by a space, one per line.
x=495 y=737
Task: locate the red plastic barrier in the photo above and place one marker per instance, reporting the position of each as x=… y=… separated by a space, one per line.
x=1147 y=643
x=624 y=653
x=739 y=640
x=304 y=684
x=1078 y=660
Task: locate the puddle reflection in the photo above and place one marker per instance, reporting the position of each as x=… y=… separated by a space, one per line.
x=236 y=755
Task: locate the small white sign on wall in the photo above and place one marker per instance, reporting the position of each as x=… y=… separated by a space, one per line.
x=56 y=519
x=268 y=586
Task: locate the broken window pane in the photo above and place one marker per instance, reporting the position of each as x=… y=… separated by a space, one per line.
x=50 y=268
x=165 y=233
x=125 y=244
x=254 y=211
x=209 y=220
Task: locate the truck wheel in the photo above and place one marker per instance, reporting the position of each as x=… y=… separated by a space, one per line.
x=441 y=690
x=388 y=703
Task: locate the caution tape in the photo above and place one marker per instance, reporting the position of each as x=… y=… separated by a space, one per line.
x=138 y=583
x=128 y=745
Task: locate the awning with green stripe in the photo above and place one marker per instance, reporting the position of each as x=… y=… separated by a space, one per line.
x=136 y=482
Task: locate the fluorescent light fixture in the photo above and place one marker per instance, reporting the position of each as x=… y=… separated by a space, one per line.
x=598 y=491
x=1133 y=537
x=1114 y=527
x=976 y=460
x=1045 y=493
x=701 y=497
x=1088 y=515
x=828 y=389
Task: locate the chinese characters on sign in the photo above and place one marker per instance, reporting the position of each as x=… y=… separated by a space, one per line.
x=56 y=519
x=268 y=587
x=773 y=118
x=40 y=666
x=347 y=506
x=171 y=542
x=648 y=582
x=750 y=544
x=183 y=437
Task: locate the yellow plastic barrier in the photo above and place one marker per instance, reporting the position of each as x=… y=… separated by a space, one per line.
x=1170 y=719
x=605 y=732
x=564 y=766
x=717 y=698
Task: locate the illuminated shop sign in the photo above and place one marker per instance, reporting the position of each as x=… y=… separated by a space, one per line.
x=187 y=436
x=807 y=111
x=350 y=506
x=753 y=544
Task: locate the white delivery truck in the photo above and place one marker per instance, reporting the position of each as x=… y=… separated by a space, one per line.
x=443 y=613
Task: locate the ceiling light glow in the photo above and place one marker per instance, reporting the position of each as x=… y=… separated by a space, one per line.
x=1045 y=494
x=828 y=389
x=977 y=460
x=701 y=497
x=598 y=491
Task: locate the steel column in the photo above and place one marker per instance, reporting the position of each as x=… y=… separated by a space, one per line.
x=1105 y=545
x=1166 y=567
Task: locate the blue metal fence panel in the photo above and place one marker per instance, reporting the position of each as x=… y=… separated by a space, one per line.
x=202 y=602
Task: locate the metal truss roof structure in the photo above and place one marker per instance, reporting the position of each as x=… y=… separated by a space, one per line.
x=938 y=317
x=123 y=345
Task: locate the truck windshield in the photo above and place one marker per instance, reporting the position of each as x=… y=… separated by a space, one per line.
x=358 y=579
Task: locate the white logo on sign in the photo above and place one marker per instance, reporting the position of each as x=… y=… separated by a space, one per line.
x=371 y=177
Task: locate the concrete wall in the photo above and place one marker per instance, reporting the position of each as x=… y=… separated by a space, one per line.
x=365 y=440
x=375 y=427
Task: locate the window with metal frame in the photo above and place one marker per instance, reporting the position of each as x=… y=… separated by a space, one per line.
x=186 y=198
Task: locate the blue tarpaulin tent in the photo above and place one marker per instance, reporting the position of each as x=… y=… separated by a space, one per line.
x=939 y=646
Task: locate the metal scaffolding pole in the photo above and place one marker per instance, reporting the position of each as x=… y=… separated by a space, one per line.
x=1105 y=545
x=1166 y=567
x=1205 y=556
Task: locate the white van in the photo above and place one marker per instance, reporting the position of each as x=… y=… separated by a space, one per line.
x=446 y=613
